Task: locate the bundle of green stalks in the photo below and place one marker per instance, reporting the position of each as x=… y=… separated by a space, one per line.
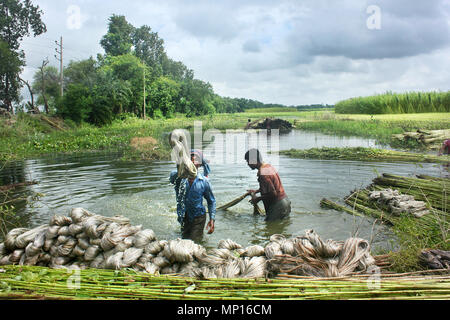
x=414 y=234
x=25 y=282
x=363 y=154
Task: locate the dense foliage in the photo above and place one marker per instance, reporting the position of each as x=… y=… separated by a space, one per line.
x=392 y=103
x=134 y=76
x=18 y=19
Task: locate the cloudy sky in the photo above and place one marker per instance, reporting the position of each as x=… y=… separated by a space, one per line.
x=291 y=52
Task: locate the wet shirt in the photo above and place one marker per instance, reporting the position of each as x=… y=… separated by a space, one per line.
x=200 y=188
x=180 y=192
x=270 y=185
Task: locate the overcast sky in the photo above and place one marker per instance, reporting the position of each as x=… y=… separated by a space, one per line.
x=289 y=52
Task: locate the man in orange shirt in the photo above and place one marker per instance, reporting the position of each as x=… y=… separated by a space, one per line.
x=276 y=202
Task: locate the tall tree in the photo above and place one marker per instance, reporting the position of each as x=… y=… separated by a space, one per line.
x=83 y=72
x=196 y=97
x=10 y=68
x=18 y=19
x=46 y=85
x=163 y=95
x=117 y=92
x=176 y=70
x=118 y=40
x=128 y=68
x=149 y=47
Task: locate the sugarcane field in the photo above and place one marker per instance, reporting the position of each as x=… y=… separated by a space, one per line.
x=305 y=156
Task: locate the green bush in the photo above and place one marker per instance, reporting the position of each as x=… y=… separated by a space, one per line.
x=76 y=104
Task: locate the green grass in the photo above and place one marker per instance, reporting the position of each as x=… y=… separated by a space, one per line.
x=380 y=128
x=392 y=103
x=27 y=136
x=270 y=110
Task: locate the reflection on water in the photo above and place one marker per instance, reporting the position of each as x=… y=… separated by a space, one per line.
x=141 y=191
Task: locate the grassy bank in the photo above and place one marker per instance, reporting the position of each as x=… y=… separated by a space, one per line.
x=378 y=127
x=24 y=282
x=27 y=136
x=381 y=127
x=363 y=154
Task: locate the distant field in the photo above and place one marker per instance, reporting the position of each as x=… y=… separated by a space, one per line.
x=284 y=110
x=395 y=103
x=435 y=116
x=379 y=127
x=270 y=110
x=329 y=114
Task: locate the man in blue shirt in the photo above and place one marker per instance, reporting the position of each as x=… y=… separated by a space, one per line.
x=190 y=210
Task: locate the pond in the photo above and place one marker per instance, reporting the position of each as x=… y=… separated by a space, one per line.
x=141 y=191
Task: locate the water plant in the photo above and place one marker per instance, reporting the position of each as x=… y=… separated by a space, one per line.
x=363 y=154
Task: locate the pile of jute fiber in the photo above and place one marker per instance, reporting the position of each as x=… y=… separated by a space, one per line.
x=86 y=240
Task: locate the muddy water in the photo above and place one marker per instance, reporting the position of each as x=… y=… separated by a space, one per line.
x=141 y=191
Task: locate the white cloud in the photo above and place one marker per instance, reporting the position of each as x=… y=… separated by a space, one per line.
x=286 y=51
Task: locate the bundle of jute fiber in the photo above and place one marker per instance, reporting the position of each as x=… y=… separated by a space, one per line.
x=86 y=240
x=397 y=203
x=181 y=154
x=80 y=240
x=313 y=257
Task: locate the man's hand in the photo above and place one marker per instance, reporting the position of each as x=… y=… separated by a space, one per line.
x=210 y=226
x=254 y=200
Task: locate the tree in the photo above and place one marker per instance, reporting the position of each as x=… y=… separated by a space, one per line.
x=10 y=68
x=98 y=104
x=84 y=72
x=163 y=95
x=76 y=103
x=197 y=96
x=219 y=104
x=149 y=48
x=129 y=68
x=30 y=105
x=17 y=19
x=176 y=70
x=118 y=40
x=117 y=93
x=46 y=85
